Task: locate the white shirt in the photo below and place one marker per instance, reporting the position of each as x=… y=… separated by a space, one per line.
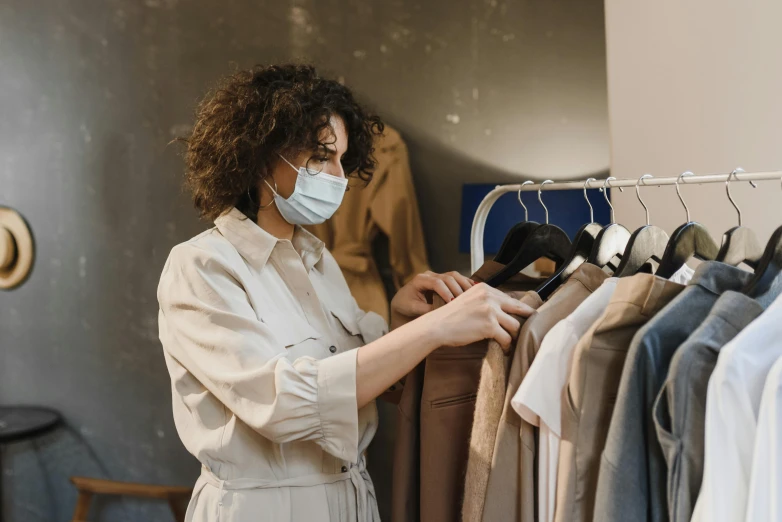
x=732 y=404
x=683 y=275
x=259 y=336
x=539 y=398
x=765 y=487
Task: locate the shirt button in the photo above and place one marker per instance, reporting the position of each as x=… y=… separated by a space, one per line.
x=333 y=349
x=344 y=469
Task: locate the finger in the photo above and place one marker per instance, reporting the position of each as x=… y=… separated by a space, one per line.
x=419 y=308
x=465 y=283
x=509 y=324
x=514 y=306
x=502 y=337
x=423 y=281
x=442 y=290
x=426 y=282
x=452 y=285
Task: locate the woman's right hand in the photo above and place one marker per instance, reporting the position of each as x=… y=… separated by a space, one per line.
x=482 y=312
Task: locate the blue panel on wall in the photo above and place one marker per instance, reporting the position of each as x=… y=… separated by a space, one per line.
x=566 y=208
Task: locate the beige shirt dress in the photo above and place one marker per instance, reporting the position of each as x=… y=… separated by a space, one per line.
x=259 y=336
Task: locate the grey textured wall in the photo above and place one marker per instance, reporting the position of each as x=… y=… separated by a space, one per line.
x=92 y=91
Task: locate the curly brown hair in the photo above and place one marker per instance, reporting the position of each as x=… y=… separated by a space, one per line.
x=254 y=115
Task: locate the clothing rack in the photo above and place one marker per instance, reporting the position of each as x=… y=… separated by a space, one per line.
x=479 y=221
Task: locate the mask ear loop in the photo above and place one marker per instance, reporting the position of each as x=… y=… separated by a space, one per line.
x=288 y=162
x=272 y=189
x=275 y=185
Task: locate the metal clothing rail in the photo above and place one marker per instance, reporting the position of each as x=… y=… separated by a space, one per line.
x=479 y=221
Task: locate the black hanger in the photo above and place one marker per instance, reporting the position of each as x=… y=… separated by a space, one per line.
x=769 y=267
x=688 y=241
x=546 y=240
x=582 y=247
x=516 y=235
x=645 y=245
x=611 y=241
x=739 y=244
x=513 y=241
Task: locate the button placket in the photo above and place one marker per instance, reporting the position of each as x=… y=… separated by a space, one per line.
x=299 y=281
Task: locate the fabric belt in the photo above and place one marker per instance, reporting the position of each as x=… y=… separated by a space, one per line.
x=354 y=257
x=366 y=501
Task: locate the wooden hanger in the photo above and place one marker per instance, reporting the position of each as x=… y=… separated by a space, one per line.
x=689 y=240
x=739 y=244
x=582 y=247
x=612 y=239
x=645 y=244
x=546 y=240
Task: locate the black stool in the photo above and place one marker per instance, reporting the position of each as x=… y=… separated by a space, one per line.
x=19 y=423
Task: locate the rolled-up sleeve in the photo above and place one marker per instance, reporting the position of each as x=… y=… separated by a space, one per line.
x=209 y=326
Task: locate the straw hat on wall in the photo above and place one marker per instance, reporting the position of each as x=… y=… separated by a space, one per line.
x=17 y=249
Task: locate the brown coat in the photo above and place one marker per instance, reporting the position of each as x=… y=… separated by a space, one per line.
x=488 y=414
x=386 y=205
x=434 y=423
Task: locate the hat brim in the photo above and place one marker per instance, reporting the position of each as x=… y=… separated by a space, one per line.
x=20 y=270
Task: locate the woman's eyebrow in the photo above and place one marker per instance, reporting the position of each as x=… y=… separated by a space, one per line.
x=326 y=149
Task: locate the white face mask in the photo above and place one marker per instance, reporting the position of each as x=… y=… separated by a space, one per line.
x=315 y=198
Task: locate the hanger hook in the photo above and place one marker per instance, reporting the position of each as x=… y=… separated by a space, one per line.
x=727 y=189
x=526 y=212
x=638 y=193
x=734 y=174
x=605 y=195
x=540 y=189
x=591 y=210
x=683 y=174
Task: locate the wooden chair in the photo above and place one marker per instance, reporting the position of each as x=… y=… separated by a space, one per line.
x=87 y=487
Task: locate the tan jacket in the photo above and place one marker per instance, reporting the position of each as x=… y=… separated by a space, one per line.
x=590 y=396
x=386 y=205
x=433 y=428
x=500 y=483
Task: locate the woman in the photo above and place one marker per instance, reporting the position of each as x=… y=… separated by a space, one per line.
x=274 y=368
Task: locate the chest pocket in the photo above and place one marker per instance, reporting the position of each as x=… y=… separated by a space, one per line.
x=348 y=328
x=295 y=334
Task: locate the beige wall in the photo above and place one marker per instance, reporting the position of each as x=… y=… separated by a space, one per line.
x=696 y=85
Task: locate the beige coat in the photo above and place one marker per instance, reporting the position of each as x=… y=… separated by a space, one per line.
x=386 y=205
x=259 y=337
x=588 y=401
x=500 y=483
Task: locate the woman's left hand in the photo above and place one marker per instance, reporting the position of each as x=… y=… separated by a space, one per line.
x=410 y=301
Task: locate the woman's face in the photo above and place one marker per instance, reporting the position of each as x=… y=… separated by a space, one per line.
x=325 y=160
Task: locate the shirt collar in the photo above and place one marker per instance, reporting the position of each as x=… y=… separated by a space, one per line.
x=256 y=245
x=309 y=247
x=648 y=292
x=590 y=276
x=736 y=309
x=719 y=277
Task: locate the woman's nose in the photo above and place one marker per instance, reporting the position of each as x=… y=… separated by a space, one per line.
x=338 y=171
